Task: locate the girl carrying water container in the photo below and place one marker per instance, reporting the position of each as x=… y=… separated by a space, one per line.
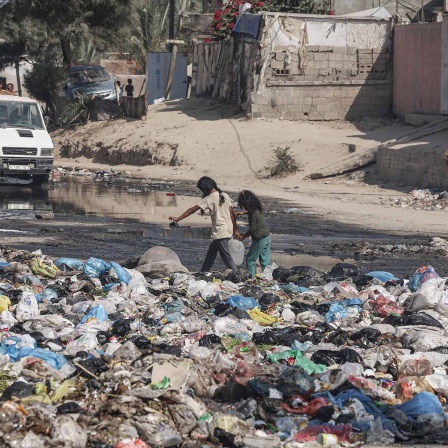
x=223 y=219
x=260 y=248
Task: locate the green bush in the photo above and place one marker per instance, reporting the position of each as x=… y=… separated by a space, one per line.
x=283 y=163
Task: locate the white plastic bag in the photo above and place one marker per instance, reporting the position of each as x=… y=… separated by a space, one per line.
x=27 y=307
x=428 y=295
x=268 y=271
x=236 y=249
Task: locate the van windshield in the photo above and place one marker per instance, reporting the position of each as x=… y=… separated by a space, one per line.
x=19 y=114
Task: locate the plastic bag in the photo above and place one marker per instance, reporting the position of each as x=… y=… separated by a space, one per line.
x=86 y=342
x=27 y=307
x=262 y=318
x=119 y=272
x=418 y=367
x=244 y=303
x=295 y=357
x=71 y=263
x=228 y=326
x=5 y=303
x=95 y=268
x=422 y=275
x=236 y=249
x=43 y=268
x=96 y=313
x=293 y=382
x=268 y=271
x=383 y=276
x=428 y=295
x=422 y=407
x=68 y=433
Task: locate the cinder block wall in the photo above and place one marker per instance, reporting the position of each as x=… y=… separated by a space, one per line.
x=324 y=83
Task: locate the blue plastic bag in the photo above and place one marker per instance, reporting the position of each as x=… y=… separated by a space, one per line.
x=383 y=276
x=173 y=306
x=422 y=275
x=72 y=263
x=424 y=403
x=9 y=347
x=244 y=303
x=122 y=274
x=94 y=268
x=29 y=280
x=97 y=312
x=52 y=359
x=108 y=286
x=46 y=295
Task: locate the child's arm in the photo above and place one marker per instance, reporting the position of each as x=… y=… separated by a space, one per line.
x=252 y=227
x=186 y=214
x=244 y=212
x=236 y=232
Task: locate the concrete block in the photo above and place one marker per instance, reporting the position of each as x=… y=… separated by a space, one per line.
x=260 y=100
x=379 y=51
x=326 y=92
x=325 y=72
x=349 y=66
x=277 y=65
x=280 y=56
x=332 y=115
x=336 y=64
x=365 y=51
x=316 y=116
x=321 y=64
x=340 y=50
x=339 y=93
x=335 y=56
x=311 y=91
x=307 y=108
x=350 y=57
x=319 y=101
x=325 y=48
x=295 y=108
x=324 y=108
x=322 y=56
x=312 y=48
x=307 y=100
x=352 y=50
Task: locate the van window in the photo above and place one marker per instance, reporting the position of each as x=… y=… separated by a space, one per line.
x=20 y=114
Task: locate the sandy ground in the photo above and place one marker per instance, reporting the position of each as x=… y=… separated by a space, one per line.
x=211 y=138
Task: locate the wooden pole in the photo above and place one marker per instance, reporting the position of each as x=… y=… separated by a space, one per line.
x=422 y=13
x=19 y=84
x=169 y=81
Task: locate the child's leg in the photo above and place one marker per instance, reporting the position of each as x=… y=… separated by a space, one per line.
x=252 y=256
x=265 y=255
x=210 y=257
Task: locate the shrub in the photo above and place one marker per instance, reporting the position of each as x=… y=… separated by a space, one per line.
x=283 y=163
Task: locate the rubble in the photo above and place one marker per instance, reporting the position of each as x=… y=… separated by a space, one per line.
x=428 y=200
x=94 y=354
x=435 y=246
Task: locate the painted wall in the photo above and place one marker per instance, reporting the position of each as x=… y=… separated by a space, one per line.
x=417 y=68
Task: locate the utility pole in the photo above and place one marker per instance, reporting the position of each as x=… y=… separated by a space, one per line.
x=172 y=25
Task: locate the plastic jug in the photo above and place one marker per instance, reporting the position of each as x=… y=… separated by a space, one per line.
x=236 y=249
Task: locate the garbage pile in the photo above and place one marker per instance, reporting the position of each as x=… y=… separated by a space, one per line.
x=435 y=246
x=96 y=355
x=429 y=200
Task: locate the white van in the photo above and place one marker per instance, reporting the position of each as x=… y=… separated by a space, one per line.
x=26 y=149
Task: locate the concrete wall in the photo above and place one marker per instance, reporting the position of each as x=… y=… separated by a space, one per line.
x=324 y=69
x=408 y=10
x=336 y=101
x=417 y=68
x=420 y=165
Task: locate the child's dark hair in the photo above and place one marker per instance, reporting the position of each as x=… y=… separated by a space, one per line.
x=249 y=201
x=206 y=185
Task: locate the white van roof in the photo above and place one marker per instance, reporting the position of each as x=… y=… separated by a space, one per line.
x=12 y=98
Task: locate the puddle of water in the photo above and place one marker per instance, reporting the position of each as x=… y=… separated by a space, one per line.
x=121 y=199
x=322 y=263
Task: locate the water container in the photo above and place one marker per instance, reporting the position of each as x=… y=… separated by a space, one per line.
x=236 y=249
